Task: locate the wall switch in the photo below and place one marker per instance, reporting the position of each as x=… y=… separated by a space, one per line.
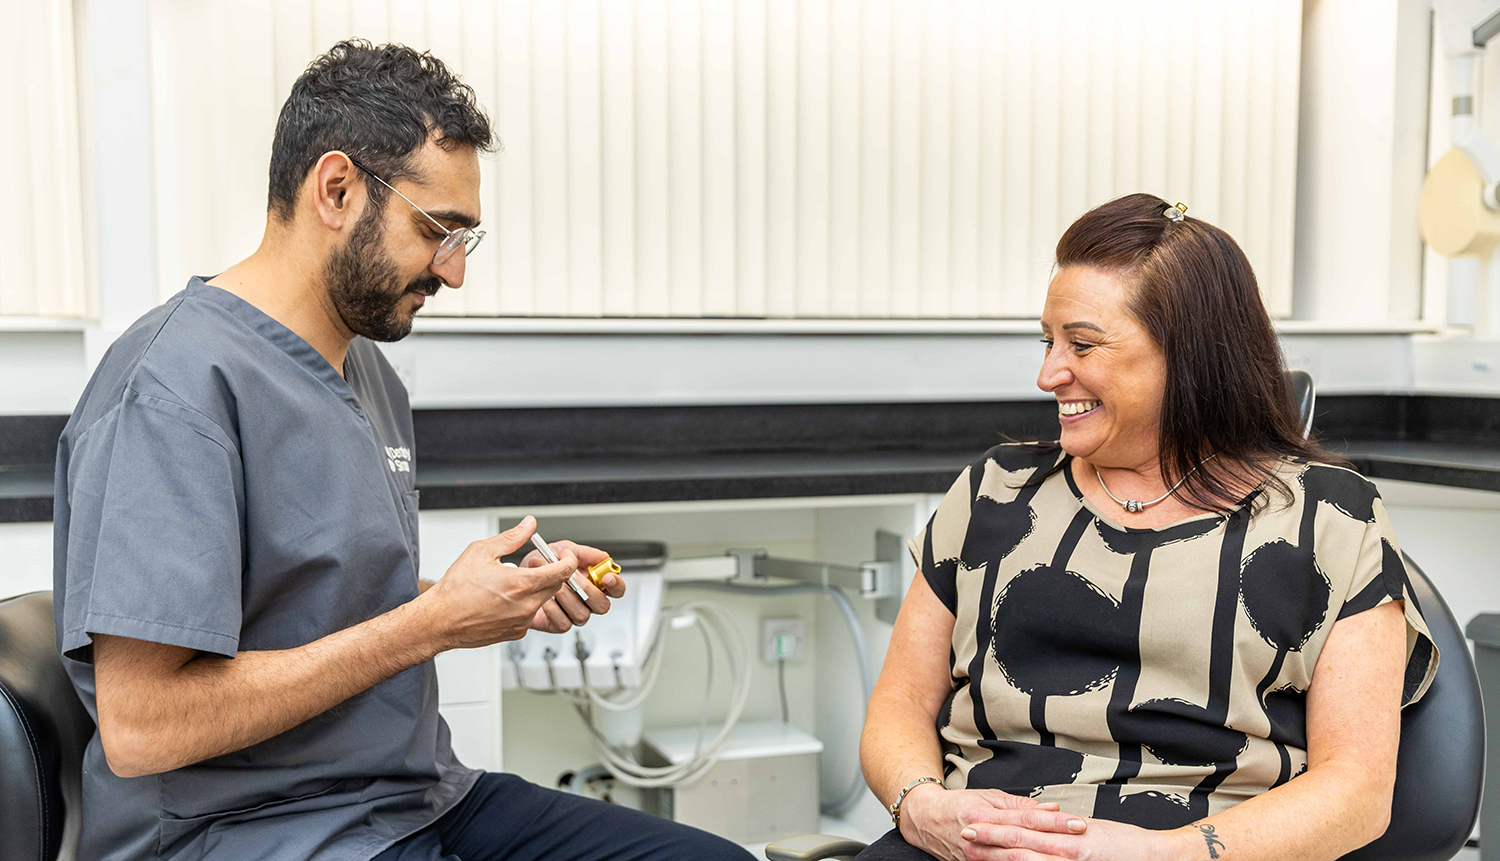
x=783 y=639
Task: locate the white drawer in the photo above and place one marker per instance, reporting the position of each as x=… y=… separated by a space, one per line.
x=468 y=676
x=476 y=734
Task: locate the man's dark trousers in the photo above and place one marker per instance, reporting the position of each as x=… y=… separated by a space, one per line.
x=504 y=818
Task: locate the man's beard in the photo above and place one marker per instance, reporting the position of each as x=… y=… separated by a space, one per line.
x=365 y=287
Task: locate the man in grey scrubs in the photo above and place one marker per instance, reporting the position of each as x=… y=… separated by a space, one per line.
x=236 y=529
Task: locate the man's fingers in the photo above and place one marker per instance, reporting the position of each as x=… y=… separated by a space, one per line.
x=586 y=555
x=557 y=620
x=598 y=602
x=511 y=539
x=577 y=610
x=540 y=622
x=614 y=585
x=545 y=579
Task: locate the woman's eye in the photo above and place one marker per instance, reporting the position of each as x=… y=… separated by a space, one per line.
x=1048 y=342
x=1081 y=348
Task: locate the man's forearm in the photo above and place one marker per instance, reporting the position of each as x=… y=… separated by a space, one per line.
x=210 y=706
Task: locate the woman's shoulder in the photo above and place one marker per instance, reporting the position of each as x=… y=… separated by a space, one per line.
x=1020 y=459
x=1339 y=486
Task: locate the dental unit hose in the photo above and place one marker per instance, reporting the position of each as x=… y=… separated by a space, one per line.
x=712 y=618
x=856 y=786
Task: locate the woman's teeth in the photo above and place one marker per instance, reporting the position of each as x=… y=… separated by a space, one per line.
x=1073 y=408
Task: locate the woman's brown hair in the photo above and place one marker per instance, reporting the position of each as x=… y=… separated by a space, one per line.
x=1194 y=292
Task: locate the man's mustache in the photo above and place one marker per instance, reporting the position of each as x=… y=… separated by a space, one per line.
x=427 y=286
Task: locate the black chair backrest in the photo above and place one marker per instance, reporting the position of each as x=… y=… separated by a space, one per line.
x=1303 y=396
x=1440 y=768
x=43 y=732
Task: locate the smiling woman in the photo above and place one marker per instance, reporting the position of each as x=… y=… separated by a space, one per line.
x=1166 y=328
x=1182 y=629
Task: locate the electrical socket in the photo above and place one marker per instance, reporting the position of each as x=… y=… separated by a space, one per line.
x=783 y=639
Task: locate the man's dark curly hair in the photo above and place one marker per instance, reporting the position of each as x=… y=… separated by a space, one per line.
x=377 y=104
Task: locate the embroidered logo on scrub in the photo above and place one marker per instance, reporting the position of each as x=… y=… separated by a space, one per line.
x=398 y=458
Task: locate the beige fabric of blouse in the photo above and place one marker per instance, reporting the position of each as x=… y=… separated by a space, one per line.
x=1150 y=676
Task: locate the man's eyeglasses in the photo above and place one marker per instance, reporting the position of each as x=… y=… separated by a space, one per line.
x=460 y=237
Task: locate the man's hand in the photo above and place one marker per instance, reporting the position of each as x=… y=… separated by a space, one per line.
x=479 y=601
x=563 y=610
x=940 y=821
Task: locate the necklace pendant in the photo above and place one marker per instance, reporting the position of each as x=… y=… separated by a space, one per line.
x=1133 y=505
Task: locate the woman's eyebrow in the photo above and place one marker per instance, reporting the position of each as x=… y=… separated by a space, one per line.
x=1082 y=325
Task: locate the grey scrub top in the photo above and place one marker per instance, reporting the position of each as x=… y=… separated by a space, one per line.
x=221 y=487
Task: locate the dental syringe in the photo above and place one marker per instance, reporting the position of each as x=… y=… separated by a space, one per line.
x=595 y=572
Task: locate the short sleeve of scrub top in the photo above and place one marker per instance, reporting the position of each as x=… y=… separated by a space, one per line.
x=168 y=500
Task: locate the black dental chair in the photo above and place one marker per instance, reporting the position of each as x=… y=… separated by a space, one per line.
x=43 y=731
x=1439 y=768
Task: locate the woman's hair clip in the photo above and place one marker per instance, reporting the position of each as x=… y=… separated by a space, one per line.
x=1176 y=213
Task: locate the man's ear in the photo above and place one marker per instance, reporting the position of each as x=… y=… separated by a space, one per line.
x=334 y=189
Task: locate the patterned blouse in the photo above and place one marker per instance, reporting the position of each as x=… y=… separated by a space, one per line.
x=1150 y=676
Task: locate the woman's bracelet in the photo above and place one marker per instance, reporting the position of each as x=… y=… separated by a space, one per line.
x=901 y=796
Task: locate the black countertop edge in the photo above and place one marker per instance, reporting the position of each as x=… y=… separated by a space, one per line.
x=524 y=435
x=1444 y=474
x=488 y=458
x=26 y=509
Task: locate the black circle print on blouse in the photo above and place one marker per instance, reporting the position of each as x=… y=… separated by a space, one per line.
x=1055 y=634
x=995 y=529
x=1285 y=597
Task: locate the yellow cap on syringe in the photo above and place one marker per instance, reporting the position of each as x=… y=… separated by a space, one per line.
x=598 y=570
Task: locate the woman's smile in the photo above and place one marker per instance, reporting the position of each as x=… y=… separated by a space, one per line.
x=1077 y=411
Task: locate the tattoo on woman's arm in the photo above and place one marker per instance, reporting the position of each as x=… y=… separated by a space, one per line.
x=1212 y=839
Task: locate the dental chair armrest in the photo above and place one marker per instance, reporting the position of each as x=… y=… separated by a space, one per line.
x=813 y=847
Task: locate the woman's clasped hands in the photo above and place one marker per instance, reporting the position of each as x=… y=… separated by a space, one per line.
x=974 y=824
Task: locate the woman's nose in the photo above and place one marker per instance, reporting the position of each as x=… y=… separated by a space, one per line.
x=1055 y=372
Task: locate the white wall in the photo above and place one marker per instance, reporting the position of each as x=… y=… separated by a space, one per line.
x=1454 y=534
x=27 y=551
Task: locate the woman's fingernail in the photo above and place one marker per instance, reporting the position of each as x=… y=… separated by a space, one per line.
x=968 y=834
x=1076 y=825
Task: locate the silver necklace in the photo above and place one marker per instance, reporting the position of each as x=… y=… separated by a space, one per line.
x=1135 y=505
